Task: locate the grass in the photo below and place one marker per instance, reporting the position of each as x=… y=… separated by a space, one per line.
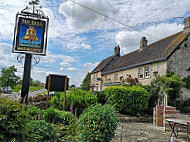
x=31 y=89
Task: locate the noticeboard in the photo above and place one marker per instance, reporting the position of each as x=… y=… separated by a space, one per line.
x=57 y=83
x=30 y=35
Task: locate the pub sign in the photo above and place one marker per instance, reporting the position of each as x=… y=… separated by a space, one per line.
x=30 y=35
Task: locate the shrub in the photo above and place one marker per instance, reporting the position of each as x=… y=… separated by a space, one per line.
x=101 y=96
x=153 y=100
x=12 y=120
x=39 y=131
x=80 y=100
x=63 y=121
x=50 y=115
x=187 y=82
x=97 y=124
x=57 y=100
x=128 y=100
x=34 y=112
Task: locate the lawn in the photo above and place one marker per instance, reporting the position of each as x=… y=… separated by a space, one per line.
x=31 y=89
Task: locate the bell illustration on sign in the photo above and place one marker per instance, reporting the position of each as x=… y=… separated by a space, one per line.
x=30 y=34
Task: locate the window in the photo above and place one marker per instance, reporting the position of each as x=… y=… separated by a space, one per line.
x=147 y=71
x=96 y=88
x=106 y=78
x=95 y=77
x=140 y=72
x=115 y=77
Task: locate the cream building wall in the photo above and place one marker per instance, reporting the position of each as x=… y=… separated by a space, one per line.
x=159 y=67
x=95 y=82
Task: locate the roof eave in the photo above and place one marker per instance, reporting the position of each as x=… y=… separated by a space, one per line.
x=135 y=65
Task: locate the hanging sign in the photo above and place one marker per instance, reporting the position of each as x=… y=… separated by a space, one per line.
x=30 y=35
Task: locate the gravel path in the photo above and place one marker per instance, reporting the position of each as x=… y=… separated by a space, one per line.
x=141 y=132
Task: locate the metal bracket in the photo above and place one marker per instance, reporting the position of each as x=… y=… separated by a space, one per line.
x=36 y=60
x=35 y=10
x=20 y=59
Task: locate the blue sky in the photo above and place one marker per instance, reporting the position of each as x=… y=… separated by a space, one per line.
x=79 y=39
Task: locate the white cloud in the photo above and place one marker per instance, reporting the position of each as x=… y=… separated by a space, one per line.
x=130 y=41
x=86 y=46
x=90 y=66
x=81 y=19
x=131 y=12
x=70 y=69
x=65 y=64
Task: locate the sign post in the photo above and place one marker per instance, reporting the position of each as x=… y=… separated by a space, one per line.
x=65 y=89
x=30 y=37
x=26 y=78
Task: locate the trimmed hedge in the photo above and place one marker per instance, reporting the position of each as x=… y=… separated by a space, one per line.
x=128 y=100
x=97 y=124
x=101 y=96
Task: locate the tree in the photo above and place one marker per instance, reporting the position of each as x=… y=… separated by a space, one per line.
x=86 y=82
x=8 y=77
x=34 y=82
x=171 y=85
x=73 y=86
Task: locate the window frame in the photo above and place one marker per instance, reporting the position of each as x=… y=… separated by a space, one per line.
x=147 y=71
x=116 y=77
x=141 y=73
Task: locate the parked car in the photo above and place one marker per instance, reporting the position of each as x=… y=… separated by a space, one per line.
x=6 y=89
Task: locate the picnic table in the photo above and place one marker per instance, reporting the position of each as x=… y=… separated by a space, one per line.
x=176 y=123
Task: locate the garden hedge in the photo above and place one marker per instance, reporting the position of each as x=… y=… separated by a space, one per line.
x=128 y=100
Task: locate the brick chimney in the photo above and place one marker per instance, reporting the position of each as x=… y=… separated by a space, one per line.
x=187 y=24
x=143 y=43
x=117 y=51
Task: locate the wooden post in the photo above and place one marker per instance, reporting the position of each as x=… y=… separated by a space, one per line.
x=47 y=101
x=65 y=89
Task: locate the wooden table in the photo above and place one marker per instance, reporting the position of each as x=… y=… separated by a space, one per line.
x=175 y=123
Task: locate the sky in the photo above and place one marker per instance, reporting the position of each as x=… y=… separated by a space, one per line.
x=79 y=39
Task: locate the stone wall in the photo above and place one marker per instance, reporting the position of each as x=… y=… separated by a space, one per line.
x=179 y=62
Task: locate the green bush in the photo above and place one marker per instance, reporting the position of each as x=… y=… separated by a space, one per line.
x=50 y=115
x=128 y=100
x=100 y=96
x=39 y=131
x=97 y=124
x=12 y=120
x=80 y=100
x=34 y=112
x=153 y=100
x=63 y=121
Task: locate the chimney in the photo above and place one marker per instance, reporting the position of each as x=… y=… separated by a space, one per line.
x=117 y=51
x=143 y=43
x=187 y=24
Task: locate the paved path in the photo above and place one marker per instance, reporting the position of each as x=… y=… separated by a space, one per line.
x=15 y=95
x=37 y=92
x=141 y=132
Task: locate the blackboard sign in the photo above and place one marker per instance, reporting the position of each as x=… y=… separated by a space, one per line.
x=57 y=83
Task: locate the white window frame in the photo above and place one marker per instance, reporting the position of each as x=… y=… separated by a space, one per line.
x=147 y=71
x=141 y=73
